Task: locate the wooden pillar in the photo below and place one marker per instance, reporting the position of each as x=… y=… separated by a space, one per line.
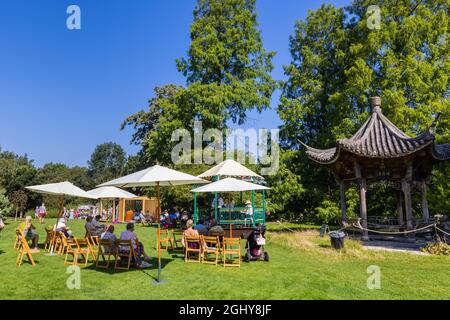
x=363 y=207
x=343 y=201
x=401 y=221
x=362 y=200
x=406 y=187
x=425 y=211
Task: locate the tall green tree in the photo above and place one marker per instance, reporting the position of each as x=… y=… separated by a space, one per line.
x=340 y=59
x=107 y=162
x=5 y=205
x=227 y=74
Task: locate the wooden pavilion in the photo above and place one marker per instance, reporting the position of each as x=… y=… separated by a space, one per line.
x=380 y=151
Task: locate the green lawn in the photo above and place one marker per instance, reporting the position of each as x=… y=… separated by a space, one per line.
x=302 y=266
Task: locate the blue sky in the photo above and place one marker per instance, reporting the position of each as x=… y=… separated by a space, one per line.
x=63 y=92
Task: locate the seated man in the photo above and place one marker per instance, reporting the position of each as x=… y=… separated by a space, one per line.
x=137 y=246
x=91 y=227
x=29 y=231
x=96 y=222
x=109 y=235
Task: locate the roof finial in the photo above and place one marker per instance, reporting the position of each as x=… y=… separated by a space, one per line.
x=376 y=103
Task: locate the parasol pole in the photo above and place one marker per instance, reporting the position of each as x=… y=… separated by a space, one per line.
x=159 y=231
x=60 y=211
x=229 y=211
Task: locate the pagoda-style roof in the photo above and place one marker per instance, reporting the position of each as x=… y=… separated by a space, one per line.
x=380 y=138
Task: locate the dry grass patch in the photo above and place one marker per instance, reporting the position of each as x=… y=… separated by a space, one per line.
x=311 y=242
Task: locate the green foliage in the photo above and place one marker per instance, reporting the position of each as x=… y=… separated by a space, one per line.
x=19 y=201
x=5 y=206
x=338 y=63
x=227 y=65
x=284 y=199
x=329 y=212
x=227 y=74
x=107 y=162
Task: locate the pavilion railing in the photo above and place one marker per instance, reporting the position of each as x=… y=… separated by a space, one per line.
x=238 y=216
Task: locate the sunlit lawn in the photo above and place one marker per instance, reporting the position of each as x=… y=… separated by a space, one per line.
x=302 y=266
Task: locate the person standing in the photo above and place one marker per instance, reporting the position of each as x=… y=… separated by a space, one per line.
x=42 y=213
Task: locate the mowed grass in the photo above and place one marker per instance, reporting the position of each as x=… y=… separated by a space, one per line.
x=302 y=266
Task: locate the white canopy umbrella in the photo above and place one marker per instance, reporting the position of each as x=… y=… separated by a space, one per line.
x=230 y=185
x=110 y=193
x=230 y=168
x=155 y=176
x=60 y=189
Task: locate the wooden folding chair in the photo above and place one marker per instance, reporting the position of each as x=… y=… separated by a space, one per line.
x=106 y=250
x=48 y=238
x=93 y=244
x=211 y=246
x=62 y=243
x=125 y=252
x=193 y=248
x=24 y=249
x=71 y=249
x=231 y=247
x=178 y=239
x=83 y=250
x=166 y=239
x=17 y=241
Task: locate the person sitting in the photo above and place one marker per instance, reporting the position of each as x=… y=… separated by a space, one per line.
x=144 y=219
x=190 y=232
x=138 y=247
x=109 y=235
x=62 y=227
x=216 y=231
x=91 y=228
x=96 y=223
x=29 y=231
x=201 y=227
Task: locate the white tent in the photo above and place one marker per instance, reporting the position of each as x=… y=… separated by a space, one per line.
x=111 y=193
x=230 y=185
x=153 y=176
x=230 y=168
x=61 y=189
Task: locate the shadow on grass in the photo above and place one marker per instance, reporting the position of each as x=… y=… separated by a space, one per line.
x=153 y=262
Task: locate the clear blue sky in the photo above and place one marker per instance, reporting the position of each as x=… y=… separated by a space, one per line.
x=63 y=92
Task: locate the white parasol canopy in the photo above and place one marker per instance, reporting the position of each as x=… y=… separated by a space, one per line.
x=61 y=189
x=230 y=168
x=153 y=176
x=230 y=185
x=111 y=193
